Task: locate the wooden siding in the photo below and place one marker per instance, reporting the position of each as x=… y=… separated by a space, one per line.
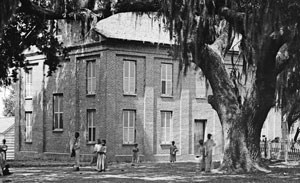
x=9 y=135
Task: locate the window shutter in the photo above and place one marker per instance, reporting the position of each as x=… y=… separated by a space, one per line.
x=132 y=77
x=169 y=79
x=125 y=77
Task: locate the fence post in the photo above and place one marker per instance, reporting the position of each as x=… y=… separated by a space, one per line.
x=269 y=150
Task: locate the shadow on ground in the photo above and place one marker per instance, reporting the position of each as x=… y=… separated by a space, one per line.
x=150 y=172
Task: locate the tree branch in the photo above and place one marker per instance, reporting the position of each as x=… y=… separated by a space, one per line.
x=282 y=59
x=29 y=7
x=234 y=18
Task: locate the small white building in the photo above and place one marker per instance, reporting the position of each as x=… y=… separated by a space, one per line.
x=7 y=131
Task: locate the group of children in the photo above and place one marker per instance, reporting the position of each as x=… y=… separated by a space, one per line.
x=100 y=155
x=203 y=155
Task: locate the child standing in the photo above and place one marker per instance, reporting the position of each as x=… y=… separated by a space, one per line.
x=135 y=154
x=102 y=153
x=200 y=157
x=97 y=149
x=75 y=150
x=4 y=148
x=209 y=144
x=173 y=151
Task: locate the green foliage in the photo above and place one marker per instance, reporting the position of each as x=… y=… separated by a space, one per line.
x=22 y=32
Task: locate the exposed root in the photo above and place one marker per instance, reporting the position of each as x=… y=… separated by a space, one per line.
x=254 y=167
x=260 y=168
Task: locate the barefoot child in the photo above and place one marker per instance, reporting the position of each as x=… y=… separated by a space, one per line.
x=97 y=149
x=135 y=154
x=200 y=157
x=173 y=151
x=102 y=153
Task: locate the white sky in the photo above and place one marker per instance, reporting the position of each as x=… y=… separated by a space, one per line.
x=3 y=93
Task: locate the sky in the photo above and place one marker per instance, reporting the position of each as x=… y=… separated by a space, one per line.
x=3 y=93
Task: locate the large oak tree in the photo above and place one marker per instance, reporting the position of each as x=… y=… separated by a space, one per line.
x=204 y=31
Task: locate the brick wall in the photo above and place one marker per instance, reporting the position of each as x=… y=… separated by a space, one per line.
x=109 y=102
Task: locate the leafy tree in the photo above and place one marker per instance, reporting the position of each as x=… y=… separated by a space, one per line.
x=204 y=31
x=9 y=103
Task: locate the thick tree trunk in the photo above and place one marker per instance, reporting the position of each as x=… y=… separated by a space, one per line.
x=236 y=156
x=225 y=102
x=242 y=123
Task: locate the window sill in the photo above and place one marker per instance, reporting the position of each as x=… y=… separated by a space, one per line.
x=91 y=143
x=166 y=96
x=28 y=98
x=129 y=95
x=58 y=130
x=165 y=144
x=201 y=98
x=129 y=144
x=91 y=94
x=28 y=142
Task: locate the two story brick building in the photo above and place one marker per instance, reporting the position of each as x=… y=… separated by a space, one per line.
x=118 y=84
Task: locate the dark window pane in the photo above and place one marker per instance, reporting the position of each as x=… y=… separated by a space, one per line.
x=55 y=121
x=90 y=134
x=61 y=103
x=61 y=121
x=163 y=87
x=55 y=103
x=94 y=134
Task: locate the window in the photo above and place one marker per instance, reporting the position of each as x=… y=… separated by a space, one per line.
x=28 y=127
x=128 y=126
x=200 y=85
x=91 y=76
x=58 y=111
x=166 y=79
x=28 y=83
x=91 y=125
x=166 y=127
x=129 y=79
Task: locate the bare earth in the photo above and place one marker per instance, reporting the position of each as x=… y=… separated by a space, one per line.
x=149 y=172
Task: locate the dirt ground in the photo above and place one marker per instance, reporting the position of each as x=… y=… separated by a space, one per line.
x=149 y=172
